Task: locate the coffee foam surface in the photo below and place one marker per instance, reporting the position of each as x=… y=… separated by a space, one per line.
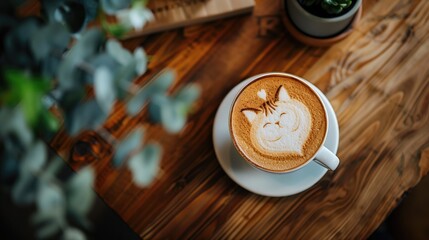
x=278 y=123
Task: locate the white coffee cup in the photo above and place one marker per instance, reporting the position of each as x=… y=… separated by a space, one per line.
x=323 y=155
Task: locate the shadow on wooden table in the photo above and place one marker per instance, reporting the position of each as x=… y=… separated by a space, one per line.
x=410 y=220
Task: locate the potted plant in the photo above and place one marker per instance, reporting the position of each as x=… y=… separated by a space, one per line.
x=322 y=18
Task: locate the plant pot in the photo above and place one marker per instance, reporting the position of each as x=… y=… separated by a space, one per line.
x=316 y=26
x=318 y=41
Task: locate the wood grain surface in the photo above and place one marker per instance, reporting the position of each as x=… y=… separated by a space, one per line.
x=377 y=80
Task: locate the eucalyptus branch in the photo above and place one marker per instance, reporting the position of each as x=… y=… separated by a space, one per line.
x=42 y=68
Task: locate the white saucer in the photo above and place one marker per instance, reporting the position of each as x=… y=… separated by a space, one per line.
x=258 y=181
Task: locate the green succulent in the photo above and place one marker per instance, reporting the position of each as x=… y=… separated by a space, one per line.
x=330 y=6
x=335 y=6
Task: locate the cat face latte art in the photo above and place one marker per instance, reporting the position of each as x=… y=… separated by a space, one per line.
x=278 y=123
x=279 y=126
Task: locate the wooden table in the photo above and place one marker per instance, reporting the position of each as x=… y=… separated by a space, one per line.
x=377 y=81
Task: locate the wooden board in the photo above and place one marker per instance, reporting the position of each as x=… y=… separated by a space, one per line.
x=376 y=79
x=171 y=14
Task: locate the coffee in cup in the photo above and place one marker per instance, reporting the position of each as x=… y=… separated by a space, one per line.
x=278 y=123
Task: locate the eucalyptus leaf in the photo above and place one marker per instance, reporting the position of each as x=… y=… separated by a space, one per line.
x=188 y=94
x=155 y=106
x=104 y=88
x=172 y=111
x=79 y=193
x=52 y=169
x=68 y=99
x=136 y=103
x=102 y=60
x=87 y=46
x=163 y=81
x=156 y=86
x=50 y=219
x=144 y=165
x=40 y=217
x=173 y=116
x=122 y=74
x=125 y=75
x=141 y=60
x=20 y=154
x=13 y=121
x=24 y=190
x=34 y=159
x=87 y=115
x=115 y=49
x=112 y=6
x=50 y=198
x=72 y=233
x=16 y=44
x=49 y=65
x=124 y=147
x=51 y=38
x=136 y=17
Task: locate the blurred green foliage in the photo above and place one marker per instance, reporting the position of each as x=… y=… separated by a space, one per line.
x=47 y=64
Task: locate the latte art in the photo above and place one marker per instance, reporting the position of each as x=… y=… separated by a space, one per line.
x=278 y=123
x=279 y=126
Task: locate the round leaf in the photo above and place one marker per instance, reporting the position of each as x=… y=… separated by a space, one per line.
x=104 y=88
x=135 y=17
x=34 y=158
x=86 y=47
x=80 y=195
x=50 y=37
x=163 y=81
x=112 y=6
x=115 y=49
x=155 y=106
x=88 y=115
x=50 y=198
x=16 y=44
x=158 y=85
x=144 y=165
x=173 y=117
x=102 y=60
x=124 y=147
x=188 y=94
x=13 y=121
x=141 y=60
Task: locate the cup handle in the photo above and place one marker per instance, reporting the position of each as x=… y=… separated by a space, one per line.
x=327 y=159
